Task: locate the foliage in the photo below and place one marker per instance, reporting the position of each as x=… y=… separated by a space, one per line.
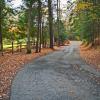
x=84 y=20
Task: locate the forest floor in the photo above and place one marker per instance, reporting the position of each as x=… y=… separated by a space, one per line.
x=91 y=56
x=10 y=64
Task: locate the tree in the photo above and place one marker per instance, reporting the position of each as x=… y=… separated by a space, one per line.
x=28 y=30
x=50 y=23
x=38 y=45
x=4 y=10
x=84 y=20
x=58 y=21
x=29 y=5
x=2 y=5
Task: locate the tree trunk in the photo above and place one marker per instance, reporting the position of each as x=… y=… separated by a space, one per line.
x=58 y=20
x=50 y=23
x=12 y=43
x=40 y=38
x=28 y=32
x=1 y=43
x=38 y=43
x=43 y=34
x=40 y=24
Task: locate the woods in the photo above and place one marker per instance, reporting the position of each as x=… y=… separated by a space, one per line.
x=31 y=23
x=85 y=21
x=34 y=21
x=33 y=28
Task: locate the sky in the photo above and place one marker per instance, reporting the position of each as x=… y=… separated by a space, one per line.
x=17 y=3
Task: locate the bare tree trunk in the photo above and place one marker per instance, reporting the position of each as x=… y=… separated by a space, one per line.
x=58 y=21
x=28 y=32
x=50 y=23
x=40 y=39
x=42 y=34
x=98 y=34
x=1 y=43
x=12 y=46
x=38 y=43
x=40 y=25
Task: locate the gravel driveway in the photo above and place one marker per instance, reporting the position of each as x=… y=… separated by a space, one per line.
x=61 y=75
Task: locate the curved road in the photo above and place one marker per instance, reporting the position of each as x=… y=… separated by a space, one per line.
x=61 y=75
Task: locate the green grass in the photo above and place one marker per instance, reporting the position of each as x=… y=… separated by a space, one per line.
x=6 y=46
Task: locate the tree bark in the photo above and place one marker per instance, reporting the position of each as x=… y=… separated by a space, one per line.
x=28 y=32
x=50 y=23
x=43 y=35
x=38 y=43
x=1 y=43
x=40 y=25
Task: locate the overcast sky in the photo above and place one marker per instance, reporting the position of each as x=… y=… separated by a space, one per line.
x=17 y=3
